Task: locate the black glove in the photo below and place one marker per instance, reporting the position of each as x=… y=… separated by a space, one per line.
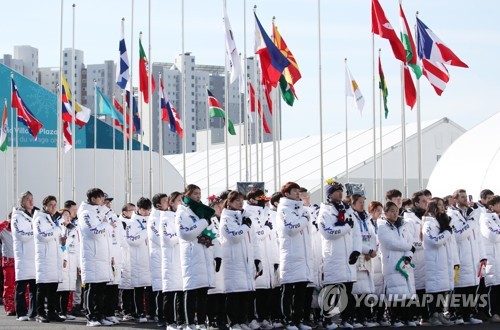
x=350 y=222
x=353 y=257
x=258 y=266
x=445 y=228
x=269 y=224
x=218 y=262
x=412 y=249
x=276 y=267
x=209 y=222
x=315 y=224
x=407 y=260
x=247 y=221
x=340 y=223
x=484 y=260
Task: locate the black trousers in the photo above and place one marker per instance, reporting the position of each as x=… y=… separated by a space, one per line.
x=216 y=309
x=437 y=301
x=158 y=295
x=363 y=312
x=195 y=302
x=308 y=304
x=20 y=298
x=462 y=297
x=110 y=300
x=128 y=306
x=494 y=300
x=348 y=313
x=139 y=300
x=483 y=290
x=399 y=311
x=263 y=304
x=63 y=298
x=46 y=291
x=237 y=307
x=292 y=298
x=95 y=294
x=173 y=307
x=275 y=304
x=421 y=310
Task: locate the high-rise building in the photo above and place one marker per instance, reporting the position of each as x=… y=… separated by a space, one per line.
x=29 y=57
x=74 y=77
x=104 y=76
x=14 y=64
x=48 y=78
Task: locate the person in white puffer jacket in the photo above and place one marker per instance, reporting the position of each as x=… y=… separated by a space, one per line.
x=48 y=260
x=490 y=230
x=395 y=239
x=465 y=223
x=171 y=264
x=160 y=204
x=137 y=239
x=24 y=257
x=292 y=222
x=275 y=299
x=340 y=246
x=413 y=216
x=95 y=255
x=440 y=259
x=128 y=305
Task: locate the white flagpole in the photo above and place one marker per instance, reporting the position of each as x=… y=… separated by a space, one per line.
x=124 y=145
x=320 y=104
x=226 y=102
x=59 y=116
x=150 y=108
x=240 y=122
x=346 y=131
x=160 y=137
x=140 y=100
x=247 y=165
x=12 y=144
x=131 y=108
x=256 y=123
x=16 y=156
x=419 y=129
x=6 y=160
x=208 y=144
x=114 y=142
x=403 y=132
x=184 y=119
x=375 y=192
x=73 y=120
x=381 y=139
x=274 y=132
x=261 y=127
x=95 y=134
x=278 y=130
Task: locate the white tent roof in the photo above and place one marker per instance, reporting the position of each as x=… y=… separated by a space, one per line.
x=472 y=162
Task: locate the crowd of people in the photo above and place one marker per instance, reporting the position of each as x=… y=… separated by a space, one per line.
x=249 y=261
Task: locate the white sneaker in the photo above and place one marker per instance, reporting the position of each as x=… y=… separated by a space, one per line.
x=235 y=327
x=384 y=323
x=127 y=317
x=143 y=320
x=266 y=325
x=93 y=323
x=303 y=326
x=357 y=325
x=444 y=320
x=398 y=324
x=459 y=321
x=495 y=318
x=291 y=326
x=68 y=317
x=367 y=324
x=411 y=324
x=202 y=327
x=190 y=327
x=105 y=322
x=473 y=321
x=23 y=318
x=112 y=319
x=254 y=325
x=434 y=319
x=346 y=325
x=277 y=324
x=331 y=326
x=243 y=326
x=172 y=326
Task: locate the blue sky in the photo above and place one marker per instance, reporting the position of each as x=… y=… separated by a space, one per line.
x=472 y=31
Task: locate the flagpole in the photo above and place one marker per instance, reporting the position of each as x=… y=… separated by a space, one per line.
x=403 y=132
x=124 y=145
x=240 y=121
x=278 y=139
x=226 y=101
x=12 y=141
x=381 y=145
x=375 y=192
x=6 y=160
x=160 y=134
x=274 y=132
x=73 y=120
x=113 y=170
x=150 y=92
x=15 y=182
x=419 y=130
x=131 y=107
x=59 y=115
x=95 y=133
x=262 y=137
x=247 y=167
x=208 y=144
x=320 y=103
x=141 y=101
x=346 y=132
x=184 y=119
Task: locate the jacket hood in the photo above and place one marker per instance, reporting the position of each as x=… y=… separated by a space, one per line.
x=290 y=202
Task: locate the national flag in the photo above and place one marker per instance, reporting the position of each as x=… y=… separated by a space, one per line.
x=67 y=136
x=216 y=111
x=144 y=74
x=135 y=111
x=123 y=127
x=24 y=115
x=382 y=27
x=233 y=58
x=169 y=114
x=352 y=89
x=252 y=109
x=263 y=118
x=273 y=62
x=286 y=91
x=105 y=107
x=4 y=132
x=382 y=85
x=82 y=113
x=123 y=72
x=409 y=44
x=292 y=73
x=437 y=74
x=410 y=91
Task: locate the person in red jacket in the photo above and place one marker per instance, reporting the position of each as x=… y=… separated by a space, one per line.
x=8 y=266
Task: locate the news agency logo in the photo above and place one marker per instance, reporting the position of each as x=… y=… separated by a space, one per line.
x=332 y=300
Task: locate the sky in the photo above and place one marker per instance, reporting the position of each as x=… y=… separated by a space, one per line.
x=471 y=30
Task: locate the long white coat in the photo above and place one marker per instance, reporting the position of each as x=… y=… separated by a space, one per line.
x=439 y=256
x=469 y=244
x=364 y=269
x=338 y=242
x=274 y=246
x=490 y=229
x=239 y=250
x=294 y=242
x=378 y=277
x=316 y=257
x=196 y=263
x=215 y=251
x=117 y=241
x=137 y=238
x=418 y=259
x=259 y=216
x=126 y=281
x=396 y=242
x=95 y=252
x=71 y=255
x=155 y=249
x=48 y=261
x=171 y=275
x=24 y=245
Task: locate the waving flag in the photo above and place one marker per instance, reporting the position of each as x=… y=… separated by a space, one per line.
x=144 y=74
x=352 y=89
x=234 y=65
x=4 y=130
x=24 y=115
x=216 y=111
x=169 y=114
x=82 y=113
x=123 y=74
x=383 y=87
x=292 y=73
x=67 y=137
x=104 y=107
x=410 y=91
x=259 y=109
x=409 y=44
x=135 y=112
x=382 y=27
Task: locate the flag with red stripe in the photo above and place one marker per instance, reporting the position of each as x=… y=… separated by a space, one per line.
x=24 y=115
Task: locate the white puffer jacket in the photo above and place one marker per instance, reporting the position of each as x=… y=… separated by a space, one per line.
x=155 y=249
x=95 y=251
x=263 y=233
x=48 y=259
x=126 y=281
x=117 y=237
x=364 y=269
x=171 y=275
x=24 y=245
x=239 y=250
x=196 y=263
x=215 y=251
x=137 y=238
x=70 y=254
x=338 y=242
x=490 y=229
x=395 y=243
x=469 y=244
x=316 y=257
x=418 y=260
x=439 y=256
x=294 y=242
x=274 y=247
x=378 y=277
